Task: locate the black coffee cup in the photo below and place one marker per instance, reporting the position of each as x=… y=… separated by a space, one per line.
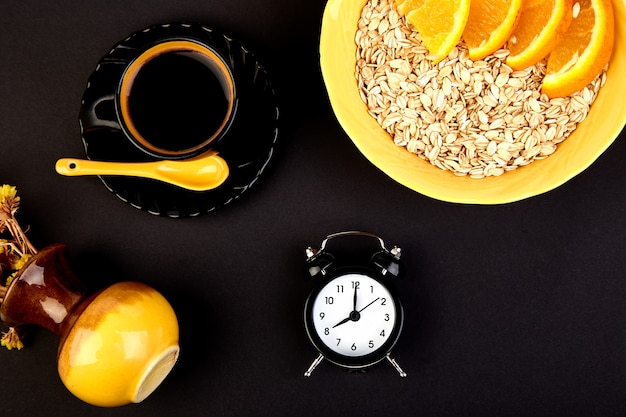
x=175 y=100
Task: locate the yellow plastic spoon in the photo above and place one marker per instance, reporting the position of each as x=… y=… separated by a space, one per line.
x=201 y=173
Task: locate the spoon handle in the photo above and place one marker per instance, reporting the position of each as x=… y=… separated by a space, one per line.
x=73 y=167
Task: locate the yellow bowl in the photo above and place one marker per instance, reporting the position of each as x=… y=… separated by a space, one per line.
x=592 y=137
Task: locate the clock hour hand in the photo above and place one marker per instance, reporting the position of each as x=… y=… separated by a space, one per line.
x=347 y=319
x=354 y=316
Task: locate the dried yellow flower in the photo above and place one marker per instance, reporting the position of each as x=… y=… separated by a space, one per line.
x=9 y=200
x=8 y=191
x=14 y=253
x=11 y=339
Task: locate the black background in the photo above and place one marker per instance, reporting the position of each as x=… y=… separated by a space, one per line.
x=511 y=310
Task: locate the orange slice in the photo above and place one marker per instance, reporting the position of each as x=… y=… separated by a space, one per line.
x=490 y=25
x=542 y=24
x=440 y=24
x=405 y=6
x=584 y=51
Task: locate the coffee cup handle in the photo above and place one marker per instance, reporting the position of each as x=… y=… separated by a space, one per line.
x=102 y=113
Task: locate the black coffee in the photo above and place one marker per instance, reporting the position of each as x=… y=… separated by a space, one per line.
x=176 y=101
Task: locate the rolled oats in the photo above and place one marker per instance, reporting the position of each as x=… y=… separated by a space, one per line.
x=473 y=118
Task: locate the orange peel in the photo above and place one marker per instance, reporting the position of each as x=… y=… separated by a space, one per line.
x=585 y=50
x=440 y=24
x=490 y=25
x=542 y=24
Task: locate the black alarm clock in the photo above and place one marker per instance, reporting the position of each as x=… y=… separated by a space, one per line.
x=353 y=316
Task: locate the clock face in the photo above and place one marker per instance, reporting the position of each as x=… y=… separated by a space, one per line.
x=354 y=317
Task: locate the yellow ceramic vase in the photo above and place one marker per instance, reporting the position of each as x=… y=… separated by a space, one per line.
x=116 y=346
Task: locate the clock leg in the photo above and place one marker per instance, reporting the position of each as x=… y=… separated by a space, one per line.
x=393 y=363
x=316 y=362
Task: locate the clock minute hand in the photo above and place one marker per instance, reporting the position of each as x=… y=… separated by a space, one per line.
x=377 y=298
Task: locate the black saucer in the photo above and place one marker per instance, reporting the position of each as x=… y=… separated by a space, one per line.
x=247 y=148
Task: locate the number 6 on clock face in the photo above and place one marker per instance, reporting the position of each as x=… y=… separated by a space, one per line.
x=370 y=321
